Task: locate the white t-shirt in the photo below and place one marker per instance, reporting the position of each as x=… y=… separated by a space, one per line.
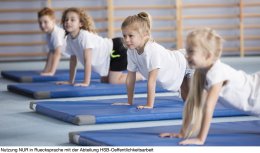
x=101 y=48
x=171 y=64
x=242 y=91
x=56 y=39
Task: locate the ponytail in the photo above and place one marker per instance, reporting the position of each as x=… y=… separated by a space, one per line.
x=141 y=22
x=193 y=110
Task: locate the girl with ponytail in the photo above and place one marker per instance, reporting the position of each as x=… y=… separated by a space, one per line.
x=213 y=81
x=156 y=63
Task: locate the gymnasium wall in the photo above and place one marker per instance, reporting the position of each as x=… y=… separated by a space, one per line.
x=238 y=21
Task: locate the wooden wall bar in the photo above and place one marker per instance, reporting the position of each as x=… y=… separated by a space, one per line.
x=179 y=29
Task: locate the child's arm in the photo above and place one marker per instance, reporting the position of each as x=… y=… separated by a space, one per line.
x=130 y=85
x=151 y=85
x=54 y=59
x=210 y=104
x=73 y=68
x=73 y=65
x=87 y=68
x=47 y=64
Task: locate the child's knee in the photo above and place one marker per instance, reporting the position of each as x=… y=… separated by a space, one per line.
x=117 y=78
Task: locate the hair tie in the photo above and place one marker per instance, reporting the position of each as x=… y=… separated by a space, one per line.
x=142 y=15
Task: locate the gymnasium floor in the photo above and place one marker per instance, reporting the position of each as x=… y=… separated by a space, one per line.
x=20 y=126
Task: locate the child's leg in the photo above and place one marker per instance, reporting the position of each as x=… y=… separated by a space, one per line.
x=119 y=77
x=139 y=76
x=118 y=62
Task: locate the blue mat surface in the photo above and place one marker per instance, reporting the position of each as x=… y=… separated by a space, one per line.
x=34 y=76
x=101 y=111
x=46 y=90
x=246 y=133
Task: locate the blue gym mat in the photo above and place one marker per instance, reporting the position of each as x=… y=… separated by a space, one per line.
x=101 y=111
x=34 y=76
x=46 y=90
x=245 y=133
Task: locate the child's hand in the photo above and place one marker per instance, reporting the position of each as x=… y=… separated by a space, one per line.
x=63 y=82
x=81 y=84
x=143 y=107
x=47 y=73
x=195 y=141
x=171 y=135
x=119 y=103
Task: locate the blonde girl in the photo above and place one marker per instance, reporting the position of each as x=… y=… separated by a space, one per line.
x=213 y=80
x=153 y=61
x=105 y=56
x=55 y=37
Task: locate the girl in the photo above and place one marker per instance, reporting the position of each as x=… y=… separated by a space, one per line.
x=105 y=56
x=233 y=88
x=55 y=37
x=152 y=60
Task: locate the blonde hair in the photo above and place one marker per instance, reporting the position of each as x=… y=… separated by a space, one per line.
x=141 y=22
x=208 y=41
x=86 y=20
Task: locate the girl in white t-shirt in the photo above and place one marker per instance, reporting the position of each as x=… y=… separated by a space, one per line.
x=102 y=55
x=55 y=37
x=213 y=80
x=153 y=61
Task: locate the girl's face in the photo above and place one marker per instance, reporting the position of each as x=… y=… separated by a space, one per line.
x=72 y=23
x=134 y=39
x=46 y=23
x=197 y=59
